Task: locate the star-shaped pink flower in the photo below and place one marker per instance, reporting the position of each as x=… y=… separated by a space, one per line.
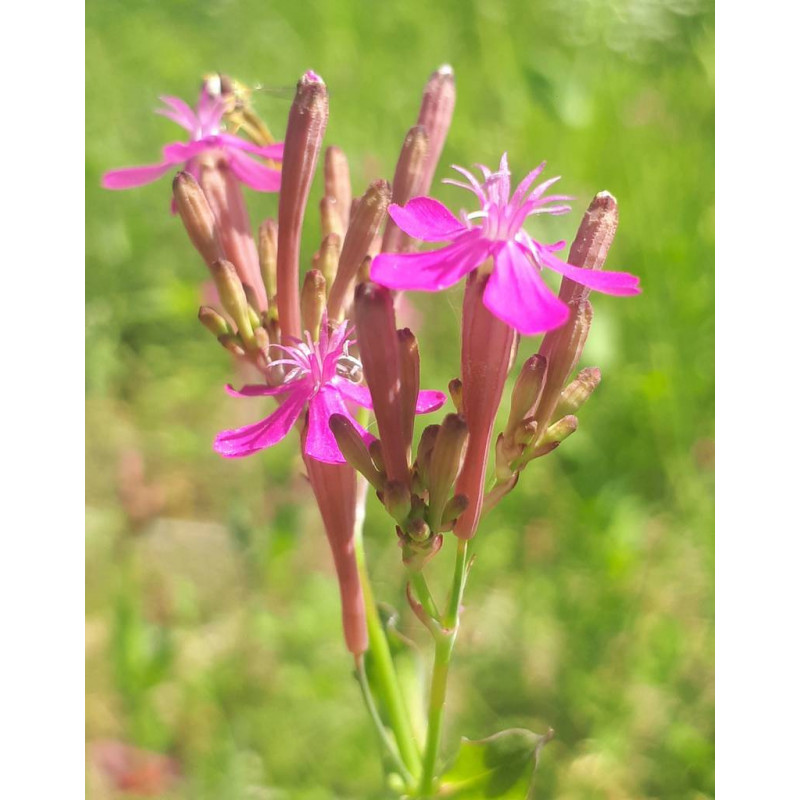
x=204 y=126
x=515 y=291
x=321 y=376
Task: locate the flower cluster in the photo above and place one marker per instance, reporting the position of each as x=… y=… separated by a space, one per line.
x=329 y=378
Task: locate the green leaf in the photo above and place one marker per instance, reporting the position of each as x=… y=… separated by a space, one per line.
x=500 y=766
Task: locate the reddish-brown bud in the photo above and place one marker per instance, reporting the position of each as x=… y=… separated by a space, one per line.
x=354 y=450
x=337 y=184
x=224 y=194
x=435 y=115
x=377 y=341
x=563 y=347
x=365 y=223
x=407 y=183
x=527 y=389
x=408 y=352
x=308 y=119
x=445 y=461
x=197 y=217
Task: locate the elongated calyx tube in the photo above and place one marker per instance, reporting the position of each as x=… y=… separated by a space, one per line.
x=488 y=346
x=308 y=119
x=334 y=486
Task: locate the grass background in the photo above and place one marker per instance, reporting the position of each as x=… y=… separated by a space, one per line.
x=212 y=623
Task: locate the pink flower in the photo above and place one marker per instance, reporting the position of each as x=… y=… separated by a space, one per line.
x=515 y=292
x=321 y=376
x=204 y=125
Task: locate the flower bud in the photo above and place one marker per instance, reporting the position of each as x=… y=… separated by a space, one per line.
x=563 y=347
x=308 y=119
x=337 y=184
x=268 y=256
x=354 y=450
x=213 y=321
x=435 y=115
x=327 y=258
x=554 y=435
x=197 y=217
x=424 y=452
x=444 y=465
x=233 y=299
x=312 y=302
x=224 y=194
x=397 y=500
x=455 y=507
x=365 y=223
x=406 y=184
x=232 y=343
x=408 y=352
x=376 y=454
x=578 y=392
x=527 y=389
x=378 y=346
x=330 y=219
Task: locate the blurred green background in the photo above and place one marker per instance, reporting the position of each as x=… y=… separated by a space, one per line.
x=212 y=622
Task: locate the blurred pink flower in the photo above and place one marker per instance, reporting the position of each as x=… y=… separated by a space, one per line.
x=516 y=292
x=321 y=376
x=204 y=126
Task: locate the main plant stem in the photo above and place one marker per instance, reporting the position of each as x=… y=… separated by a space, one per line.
x=385 y=675
x=441 y=667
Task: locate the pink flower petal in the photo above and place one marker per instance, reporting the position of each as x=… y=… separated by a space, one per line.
x=526 y=183
x=429 y=400
x=252 y=438
x=320 y=441
x=434 y=270
x=180 y=112
x=128 y=177
x=259 y=390
x=272 y=151
x=426 y=219
x=516 y=294
x=622 y=284
x=357 y=394
x=257 y=176
x=185 y=151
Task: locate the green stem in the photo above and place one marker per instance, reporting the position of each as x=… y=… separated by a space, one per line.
x=441 y=668
x=386 y=741
x=424 y=595
x=385 y=675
